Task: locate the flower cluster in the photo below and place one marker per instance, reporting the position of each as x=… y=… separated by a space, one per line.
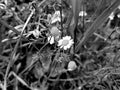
x=65 y=43
x=54 y=35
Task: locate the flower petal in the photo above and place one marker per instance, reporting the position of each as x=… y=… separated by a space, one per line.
x=111 y=16
x=60 y=42
x=65 y=47
x=49 y=38
x=52 y=40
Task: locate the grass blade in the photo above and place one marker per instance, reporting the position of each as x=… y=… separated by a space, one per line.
x=76 y=9
x=20 y=79
x=97 y=23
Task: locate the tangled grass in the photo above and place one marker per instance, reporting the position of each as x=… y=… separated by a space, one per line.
x=59 y=44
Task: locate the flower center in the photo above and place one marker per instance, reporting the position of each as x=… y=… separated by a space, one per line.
x=65 y=42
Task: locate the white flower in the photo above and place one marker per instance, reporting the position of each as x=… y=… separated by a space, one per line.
x=82 y=13
x=51 y=39
x=54 y=34
x=56 y=17
x=66 y=42
x=111 y=17
x=72 y=66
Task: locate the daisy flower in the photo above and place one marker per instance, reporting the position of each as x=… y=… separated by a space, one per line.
x=66 y=42
x=82 y=13
x=71 y=66
x=56 y=17
x=54 y=34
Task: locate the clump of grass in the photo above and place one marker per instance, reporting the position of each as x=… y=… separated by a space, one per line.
x=59 y=44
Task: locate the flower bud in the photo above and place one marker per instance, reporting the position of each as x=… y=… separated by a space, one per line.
x=72 y=65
